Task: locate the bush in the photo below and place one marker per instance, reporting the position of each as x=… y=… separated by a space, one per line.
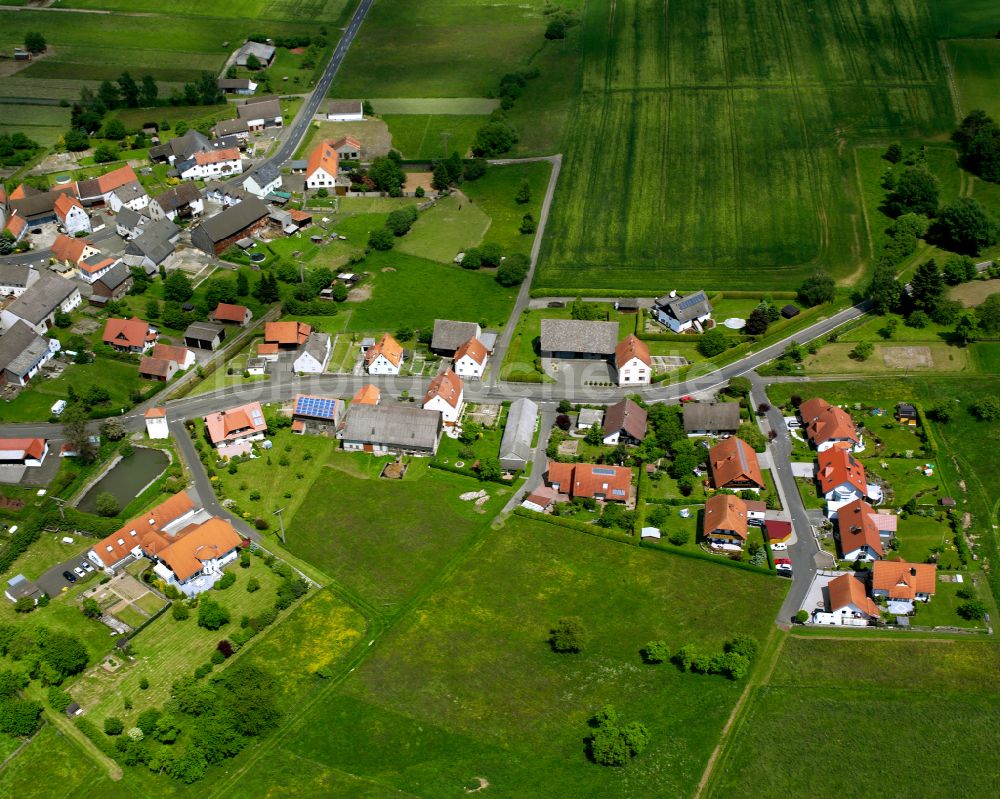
x=802 y=616
x=113 y=726
x=217 y=657
x=253 y=584
x=225 y=581
x=972 y=609
x=656 y=652
x=568 y=635
x=401 y=220
x=613 y=743
x=513 y=270
x=107 y=505
x=381 y=239
x=143 y=684
x=713 y=342
x=179 y=611
x=211 y=615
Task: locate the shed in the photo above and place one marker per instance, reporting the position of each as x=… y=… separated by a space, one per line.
x=204 y=335
x=515 y=447
x=789 y=311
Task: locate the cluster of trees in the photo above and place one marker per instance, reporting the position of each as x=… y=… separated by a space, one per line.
x=16 y=149
x=761 y=317
x=385 y=174
x=17 y=716
x=560 y=21
x=659 y=517
x=451 y=171
x=962 y=226
x=202 y=724
x=733 y=662
x=34 y=42
x=568 y=635
x=43 y=654
x=816 y=289
x=614 y=742
x=978 y=140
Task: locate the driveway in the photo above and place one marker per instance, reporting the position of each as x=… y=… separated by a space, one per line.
x=52 y=582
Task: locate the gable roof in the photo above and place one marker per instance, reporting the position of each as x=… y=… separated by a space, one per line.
x=45 y=295
x=838 y=466
x=16 y=224
x=628 y=416
x=234 y=219
x=316 y=346
x=227 y=127
x=447 y=386
x=287 y=332
x=395 y=426
x=30 y=447
x=727 y=513
x=904 y=580
x=449 y=335
x=519 y=430
x=170 y=353
x=130 y=535
x=269 y=108
x=105 y=184
x=825 y=422
x=388 y=347
x=64 y=203
x=233 y=83
x=15 y=274
x=68 y=248
x=367 y=395
x=734 y=460
x=323 y=157
x=187 y=555
x=345 y=107
x=129 y=218
x=589 y=480
x=718 y=416
x=216 y=156
x=576 y=335
x=347 y=141
x=631 y=347
x=222 y=425
x=474 y=349
x=314 y=407
x=95 y=263
x=179 y=196
x=21 y=348
x=129 y=192
x=858 y=528
x=848 y=590
x=686 y=308
x=158 y=367
x=227 y=312
x=266 y=173
x=132 y=332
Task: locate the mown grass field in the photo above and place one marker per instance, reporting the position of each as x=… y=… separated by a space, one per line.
x=451 y=226
x=432 y=136
x=917 y=703
x=466 y=685
x=710 y=143
x=976 y=63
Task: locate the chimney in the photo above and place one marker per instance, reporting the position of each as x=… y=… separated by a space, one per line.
x=913 y=571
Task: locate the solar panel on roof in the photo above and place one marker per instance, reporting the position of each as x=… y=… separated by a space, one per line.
x=317 y=407
x=610 y=472
x=689 y=301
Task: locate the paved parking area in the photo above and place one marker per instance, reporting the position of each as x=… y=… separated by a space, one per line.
x=52 y=582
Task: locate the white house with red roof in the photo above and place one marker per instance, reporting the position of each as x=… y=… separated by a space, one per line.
x=213 y=164
x=17 y=226
x=633 y=362
x=321 y=171
x=129 y=335
x=348 y=148
x=470 y=359
x=385 y=357
x=446 y=394
x=23 y=451
x=232 y=430
x=72 y=215
x=156 y=423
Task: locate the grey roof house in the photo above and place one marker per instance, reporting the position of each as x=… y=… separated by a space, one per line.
x=710 y=418
x=449 y=336
x=391 y=428
x=264 y=53
x=22 y=353
x=624 y=422
x=152 y=246
x=683 y=313
x=38 y=305
x=575 y=338
x=515 y=446
x=216 y=233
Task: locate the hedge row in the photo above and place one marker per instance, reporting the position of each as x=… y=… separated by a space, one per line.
x=524 y=377
x=930 y=442
x=97 y=738
x=572 y=524
x=447 y=467
x=18 y=545
x=562 y=291
x=150 y=620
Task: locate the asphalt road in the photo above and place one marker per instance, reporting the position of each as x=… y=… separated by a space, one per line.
x=300 y=125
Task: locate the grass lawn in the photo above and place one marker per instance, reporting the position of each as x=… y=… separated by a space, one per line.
x=942 y=610
x=487 y=446
x=432 y=136
x=50 y=760
x=318 y=633
x=168 y=649
x=917 y=535
x=384 y=539
x=907 y=480
x=414 y=291
x=494 y=193
x=427 y=714
x=304 y=460
x=35 y=402
x=976 y=63
x=934 y=693
x=890 y=357
x=449 y=227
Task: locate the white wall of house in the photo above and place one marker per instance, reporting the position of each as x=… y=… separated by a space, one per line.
x=233 y=166
x=307 y=364
x=77 y=221
x=861 y=553
x=449 y=413
x=261 y=191
x=17 y=291
x=156 y=211
x=680 y=327
x=634 y=373
x=358 y=446
x=859 y=447
x=93 y=277
x=382 y=366
x=156 y=427
x=469 y=367
x=136 y=203
x=321 y=179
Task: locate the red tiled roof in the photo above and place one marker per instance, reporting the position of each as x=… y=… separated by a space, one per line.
x=631 y=347
x=186 y=556
x=474 y=349
x=387 y=346
x=446 y=385
x=825 y=422
x=324 y=157
x=126 y=332
x=170 y=353
x=235 y=422
x=726 y=514
x=63 y=204
x=69 y=249
x=286 y=332
x=347 y=140
x=97 y=266
x=227 y=312
x=848 y=590
x=118 y=545
x=267 y=349
x=778 y=531
x=590 y=480
x=733 y=460
x=16 y=225
x=22 y=192
x=904 y=580
x=215 y=156
x=116 y=179
x=157 y=367
x=858 y=528
x=32 y=447
x=155 y=413
x=837 y=466
x=367 y=395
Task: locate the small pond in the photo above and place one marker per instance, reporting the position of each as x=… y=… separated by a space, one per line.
x=257 y=257
x=128 y=477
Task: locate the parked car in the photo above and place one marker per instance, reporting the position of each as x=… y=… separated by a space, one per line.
x=70 y=577
x=779 y=547
x=80 y=572
x=783 y=562
x=794 y=424
x=86 y=565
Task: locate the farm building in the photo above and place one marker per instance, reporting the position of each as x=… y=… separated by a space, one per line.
x=382 y=429
x=690 y=313
x=578 y=339
x=515 y=446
